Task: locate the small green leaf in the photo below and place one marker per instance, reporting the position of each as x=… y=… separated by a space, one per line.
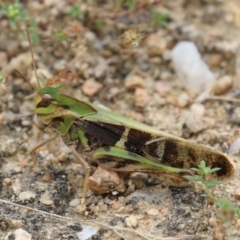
x=237 y=212
x=195 y=169
x=1 y=79
x=14 y=12
x=212 y=183
x=194 y=178
x=160 y=18
x=131 y=4
x=202 y=165
x=225 y=204
x=214 y=170
x=76 y=12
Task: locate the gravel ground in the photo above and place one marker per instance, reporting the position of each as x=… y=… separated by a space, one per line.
x=82 y=45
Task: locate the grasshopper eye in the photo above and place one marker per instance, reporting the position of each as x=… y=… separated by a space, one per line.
x=46 y=100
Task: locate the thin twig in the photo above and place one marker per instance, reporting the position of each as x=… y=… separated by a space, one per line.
x=36 y=210
x=94 y=222
x=225 y=99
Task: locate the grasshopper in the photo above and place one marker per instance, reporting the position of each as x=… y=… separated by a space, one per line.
x=118 y=143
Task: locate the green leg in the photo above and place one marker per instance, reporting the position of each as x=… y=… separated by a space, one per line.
x=122 y=160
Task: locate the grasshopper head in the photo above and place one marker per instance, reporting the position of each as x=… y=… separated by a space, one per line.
x=51 y=105
x=46 y=104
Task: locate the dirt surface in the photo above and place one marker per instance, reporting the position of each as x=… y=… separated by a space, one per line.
x=87 y=51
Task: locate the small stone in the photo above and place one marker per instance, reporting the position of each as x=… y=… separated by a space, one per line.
x=47 y=177
x=194 y=124
x=87 y=232
x=115 y=205
x=100 y=70
x=7 y=181
x=100 y=203
x=46 y=199
x=163 y=88
x=166 y=55
x=214 y=59
x=62 y=157
x=222 y=85
x=90 y=36
x=59 y=64
x=74 y=202
x=8 y=146
x=155 y=44
x=122 y=210
x=234 y=147
x=238 y=224
x=17 y=169
x=192 y=71
x=47 y=202
x=21 y=234
x=197 y=109
x=165 y=75
x=181 y=226
x=171 y=100
x=183 y=100
x=26 y=196
x=134 y=81
x=131 y=221
x=121 y=199
x=96 y=209
x=91 y=87
x=141 y=97
x=104 y=208
x=16 y=186
x=213 y=221
x=103 y=181
x=26 y=123
x=164 y=211
x=153 y=212
x=237 y=193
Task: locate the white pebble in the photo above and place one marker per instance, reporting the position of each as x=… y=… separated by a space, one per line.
x=131 y=221
x=234 y=147
x=74 y=203
x=21 y=234
x=26 y=195
x=197 y=109
x=192 y=71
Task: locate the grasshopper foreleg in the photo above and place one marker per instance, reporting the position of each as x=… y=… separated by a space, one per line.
x=34 y=149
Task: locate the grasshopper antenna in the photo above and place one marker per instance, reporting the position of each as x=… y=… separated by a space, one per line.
x=33 y=62
x=23 y=77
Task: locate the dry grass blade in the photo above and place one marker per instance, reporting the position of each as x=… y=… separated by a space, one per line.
x=95 y=222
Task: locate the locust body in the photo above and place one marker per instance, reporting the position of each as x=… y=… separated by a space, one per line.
x=121 y=144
